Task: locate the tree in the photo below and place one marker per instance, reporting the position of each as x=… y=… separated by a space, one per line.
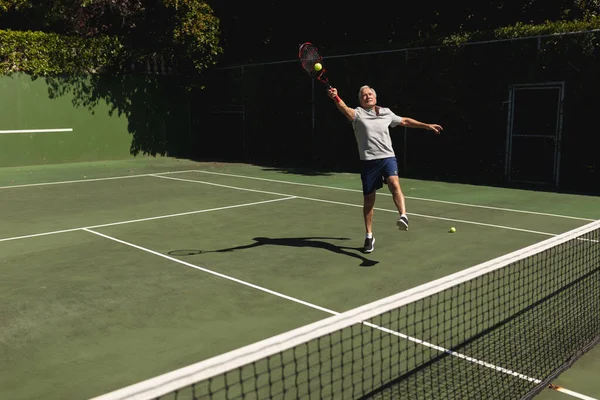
x=178 y=32
x=270 y=30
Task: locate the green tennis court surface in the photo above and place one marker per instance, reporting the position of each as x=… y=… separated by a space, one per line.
x=113 y=273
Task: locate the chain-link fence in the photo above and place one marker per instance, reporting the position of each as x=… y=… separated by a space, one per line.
x=514 y=111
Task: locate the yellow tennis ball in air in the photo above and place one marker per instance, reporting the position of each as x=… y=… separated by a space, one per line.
x=452 y=230
x=318 y=67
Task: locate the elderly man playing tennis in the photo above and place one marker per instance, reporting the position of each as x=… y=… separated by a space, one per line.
x=371 y=125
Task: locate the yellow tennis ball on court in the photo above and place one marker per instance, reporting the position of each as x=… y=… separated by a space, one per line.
x=452 y=230
x=318 y=67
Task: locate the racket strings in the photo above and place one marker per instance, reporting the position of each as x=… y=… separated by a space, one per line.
x=309 y=56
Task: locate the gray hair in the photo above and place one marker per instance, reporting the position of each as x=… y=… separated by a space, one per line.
x=365 y=87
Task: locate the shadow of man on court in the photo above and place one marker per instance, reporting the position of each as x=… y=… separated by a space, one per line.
x=314 y=242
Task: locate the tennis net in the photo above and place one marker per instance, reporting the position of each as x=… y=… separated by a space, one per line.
x=503 y=329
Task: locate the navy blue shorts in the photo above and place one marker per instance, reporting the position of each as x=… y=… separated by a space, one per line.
x=375 y=171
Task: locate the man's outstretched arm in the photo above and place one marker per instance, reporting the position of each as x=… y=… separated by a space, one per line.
x=413 y=123
x=339 y=103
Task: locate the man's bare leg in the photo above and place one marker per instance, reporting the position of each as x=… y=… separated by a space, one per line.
x=368 y=206
x=396 y=191
x=394 y=186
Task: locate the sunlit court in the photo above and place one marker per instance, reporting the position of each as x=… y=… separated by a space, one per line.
x=160 y=266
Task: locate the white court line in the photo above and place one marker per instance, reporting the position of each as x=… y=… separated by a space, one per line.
x=286 y=197
x=358 y=205
x=190 y=212
x=143 y=219
x=39 y=234
x=571 y=393
x=93 y=179
x=326 y=310
x=37 y=130
x=298 y=184
x=408 y=197
x=262 y=289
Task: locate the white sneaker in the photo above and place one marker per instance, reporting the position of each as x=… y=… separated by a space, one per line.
x=402 y=223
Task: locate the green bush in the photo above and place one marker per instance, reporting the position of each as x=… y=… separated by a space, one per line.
x=42 y=54
x=520 y=30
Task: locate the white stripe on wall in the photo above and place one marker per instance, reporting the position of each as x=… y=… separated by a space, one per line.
x=37 y=130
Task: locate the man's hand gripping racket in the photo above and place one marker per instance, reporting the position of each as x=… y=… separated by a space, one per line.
x=309 y=58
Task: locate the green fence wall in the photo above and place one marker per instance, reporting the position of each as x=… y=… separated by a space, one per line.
x=106 y=118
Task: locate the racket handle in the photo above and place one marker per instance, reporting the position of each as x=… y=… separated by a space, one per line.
x=336 y=98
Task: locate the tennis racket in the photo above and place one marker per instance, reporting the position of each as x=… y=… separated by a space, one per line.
x=309 y=56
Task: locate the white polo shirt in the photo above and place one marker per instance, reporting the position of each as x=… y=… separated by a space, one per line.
x=372 y=132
